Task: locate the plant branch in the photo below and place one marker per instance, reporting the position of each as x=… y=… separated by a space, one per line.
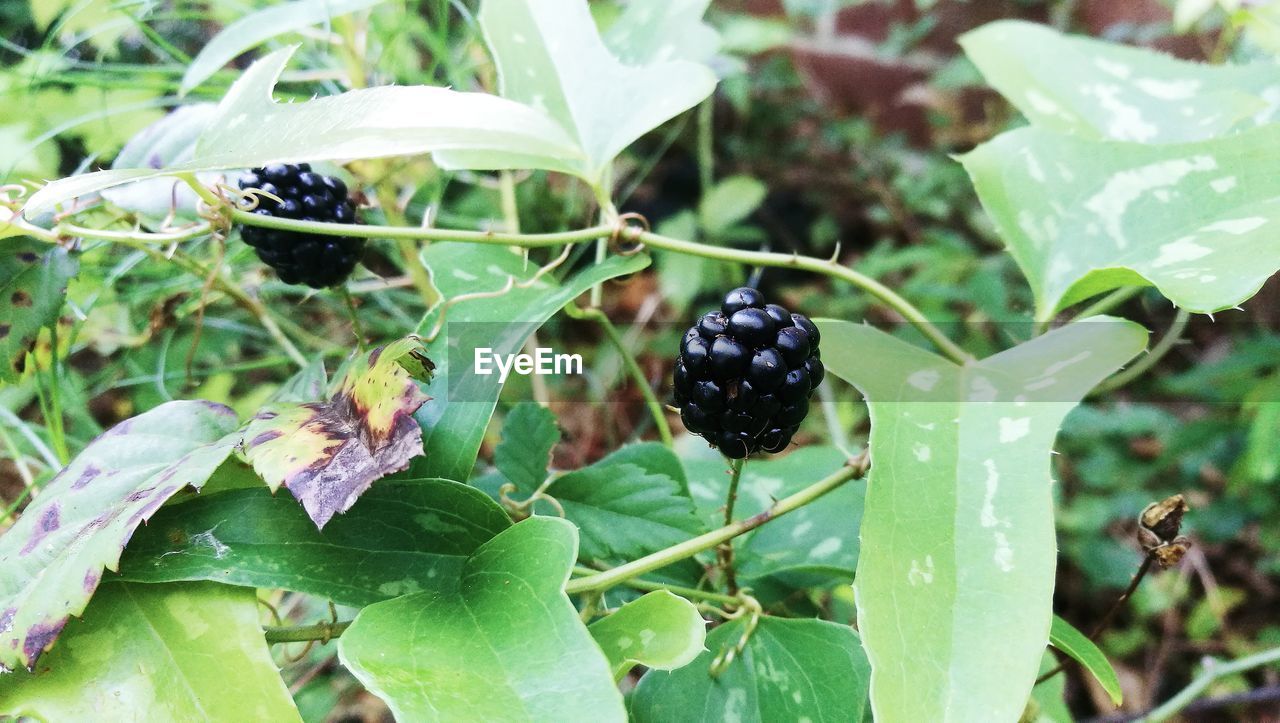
x=854 y=469
x=1212 y=671
x=633 y=367
x=651 y=586
x=631 y=234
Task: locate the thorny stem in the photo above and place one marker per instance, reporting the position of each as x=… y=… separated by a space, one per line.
x=651 y=586
x=633 y=367
x=724 y=553
x=1102 y=624
x=855 y=469
x=631 y=234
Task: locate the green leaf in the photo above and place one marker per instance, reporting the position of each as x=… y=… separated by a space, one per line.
x=168 y=142
x=327 y=453
x=51 y=560
x=504 y=643
x=363 y=123
x=33 y=285
x=651 y=31
x=550 y=57
x=1048 y=699
x=623 y=511
x=653 y=457
x=728 y=202
x=1100 y=90
x=260 y=26
x=814 y=545
x=163 y=652
x=790 y=670
x=454 y=422
x=658 y=630
x=524 y=454
x=1064 y=636
x=955 y=576
x=400 y=537
x=1197 y=220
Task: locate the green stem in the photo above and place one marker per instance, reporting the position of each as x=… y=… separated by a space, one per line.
x=305 y=633
x=633 y=368
x=621 y=574
x=1212 y=672
x=1158 y=352
x=250 y=304
x=356 y=328
x=1110 y=301
x=159 y=239
x=825 y=267
x=651 y=586
x=724 y=553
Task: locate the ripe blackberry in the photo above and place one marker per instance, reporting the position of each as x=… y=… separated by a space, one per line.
x=302 y=258
x=745 y=374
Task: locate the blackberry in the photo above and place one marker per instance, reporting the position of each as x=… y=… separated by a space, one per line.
x=316 y=260
x=745 y=374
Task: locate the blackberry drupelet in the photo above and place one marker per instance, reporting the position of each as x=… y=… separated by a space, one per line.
x=302 y=258
x=745 y=374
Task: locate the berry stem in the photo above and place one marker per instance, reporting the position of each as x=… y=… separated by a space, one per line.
x=724 y=553
x=856 y=468
x=356 y=328
x=633 y=368
x=826 y=267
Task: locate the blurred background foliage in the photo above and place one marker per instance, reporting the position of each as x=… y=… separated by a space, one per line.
x=830 y=134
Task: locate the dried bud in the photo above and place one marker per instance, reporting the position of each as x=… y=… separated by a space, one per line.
x=1158 y=528
x=1164 y=519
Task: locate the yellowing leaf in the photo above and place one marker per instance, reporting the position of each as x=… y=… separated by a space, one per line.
x=328 y=452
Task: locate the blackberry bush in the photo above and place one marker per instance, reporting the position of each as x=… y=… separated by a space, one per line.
x=745 y=374
x=316 y=260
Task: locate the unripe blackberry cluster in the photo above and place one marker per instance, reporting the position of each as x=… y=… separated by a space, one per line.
x=745 y=374
x=302 y=258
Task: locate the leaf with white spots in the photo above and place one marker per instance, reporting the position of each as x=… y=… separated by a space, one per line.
x=1101 y=90
x=650 y=31
x=51 y=560
x=658 y=630
x=955 y=578
x=328 y=452
x=550 y=57
x=191 y=652
x=502 y=642
x=397 y=539
x=362 y=123
x=816 y=544
x=789 y=670
x=1197 y=220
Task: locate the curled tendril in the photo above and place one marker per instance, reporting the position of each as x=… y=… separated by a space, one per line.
x=626 y=234
x=752 y=610
x=523 y=508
